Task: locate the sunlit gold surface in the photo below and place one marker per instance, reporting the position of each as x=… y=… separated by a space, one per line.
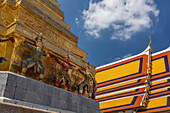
x=23 y=20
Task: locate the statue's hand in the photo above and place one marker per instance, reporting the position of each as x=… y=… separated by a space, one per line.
x=26 y=43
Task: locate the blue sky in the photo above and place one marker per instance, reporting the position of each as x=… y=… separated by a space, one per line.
x=110 y=30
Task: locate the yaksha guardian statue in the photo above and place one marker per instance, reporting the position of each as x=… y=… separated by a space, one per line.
x=63 y=74
x=92 y=86
x=89 y=83
x=36 y=59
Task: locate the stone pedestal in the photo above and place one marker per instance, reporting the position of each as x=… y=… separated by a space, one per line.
x=23 y=91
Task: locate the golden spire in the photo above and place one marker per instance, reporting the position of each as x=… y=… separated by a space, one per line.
x=150 y=42
x=148 y=76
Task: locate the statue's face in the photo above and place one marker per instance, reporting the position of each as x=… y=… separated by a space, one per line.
x=88 y=71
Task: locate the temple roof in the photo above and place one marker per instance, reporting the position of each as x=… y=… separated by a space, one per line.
x=122 y=85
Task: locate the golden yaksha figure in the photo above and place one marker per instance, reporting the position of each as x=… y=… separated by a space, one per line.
x=92 y=86
x=89 y=83
x=36 y=59
x=63 y=74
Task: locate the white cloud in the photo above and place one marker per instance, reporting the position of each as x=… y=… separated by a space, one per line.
x=118 y=58
x=77 y=20
x=127 y=55
x=125 y=17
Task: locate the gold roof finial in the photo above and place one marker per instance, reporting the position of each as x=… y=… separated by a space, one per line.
x=150 y=42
